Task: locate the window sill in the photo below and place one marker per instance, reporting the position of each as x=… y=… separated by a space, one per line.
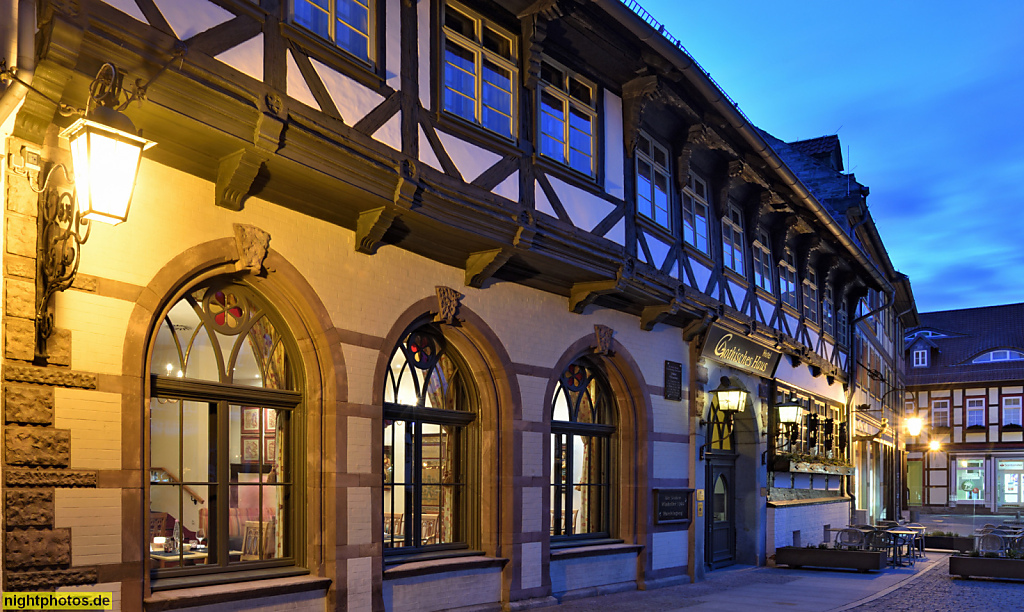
x=414 y=566
x=598 y=548
x=237 y=590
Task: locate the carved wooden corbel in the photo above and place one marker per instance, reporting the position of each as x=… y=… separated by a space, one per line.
x=448 y=301
x=237 y=172
x=371 y=227
x=253 y=244
x=772 y=201
x=583 y=294
x=636 y=94
x=482 y=265
x=706 y=136
x=603 y=339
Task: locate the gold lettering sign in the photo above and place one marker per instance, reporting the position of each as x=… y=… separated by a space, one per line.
x=731 y=349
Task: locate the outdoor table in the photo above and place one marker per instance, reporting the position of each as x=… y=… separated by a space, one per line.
x=900 y=537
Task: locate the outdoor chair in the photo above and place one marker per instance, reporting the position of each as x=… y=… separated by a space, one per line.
x=992 y=543
x=850 y=539
x=918 y=539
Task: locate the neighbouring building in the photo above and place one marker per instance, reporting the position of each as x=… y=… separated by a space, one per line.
x=418 y=305
x=965 y=379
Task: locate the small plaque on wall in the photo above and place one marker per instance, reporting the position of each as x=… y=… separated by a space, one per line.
x=672 y=506
x=673 y=381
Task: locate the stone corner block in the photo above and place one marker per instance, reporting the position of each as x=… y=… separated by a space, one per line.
x=29 y=508
x=36 y=446
x=19 y=339
x=29 y=404
x=37 y=548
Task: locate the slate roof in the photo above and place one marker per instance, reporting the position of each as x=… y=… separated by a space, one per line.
x=823 y=146
x=830 y=187
x=971 y=332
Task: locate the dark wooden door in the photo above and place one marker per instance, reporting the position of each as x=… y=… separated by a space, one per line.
x=720 y=541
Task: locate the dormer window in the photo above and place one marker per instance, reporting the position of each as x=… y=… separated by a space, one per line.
x=921 y=358
x=1000 y=355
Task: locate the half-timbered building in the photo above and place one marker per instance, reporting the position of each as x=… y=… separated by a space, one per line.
x=422 y=305
x=965 y=380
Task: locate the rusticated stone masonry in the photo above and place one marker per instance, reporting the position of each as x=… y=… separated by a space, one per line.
x=36 y=455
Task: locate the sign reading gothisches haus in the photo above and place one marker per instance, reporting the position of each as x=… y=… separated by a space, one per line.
x=733 y=349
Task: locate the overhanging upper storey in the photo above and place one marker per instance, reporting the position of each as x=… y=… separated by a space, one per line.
x=564 y=145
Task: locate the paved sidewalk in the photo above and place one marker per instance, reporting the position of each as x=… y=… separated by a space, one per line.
x=764 y=589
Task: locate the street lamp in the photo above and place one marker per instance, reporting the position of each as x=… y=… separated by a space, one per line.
x=913 y=425
x=729 y=397
x=934 y=445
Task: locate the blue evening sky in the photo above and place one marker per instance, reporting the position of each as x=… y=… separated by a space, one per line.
x=929 y=98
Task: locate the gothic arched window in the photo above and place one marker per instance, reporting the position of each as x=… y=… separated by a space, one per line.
x=581 y=435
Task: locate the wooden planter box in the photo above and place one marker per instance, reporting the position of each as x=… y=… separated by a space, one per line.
x=960 y=543
x=986 y=567
x=804 y=467
x=860 y=560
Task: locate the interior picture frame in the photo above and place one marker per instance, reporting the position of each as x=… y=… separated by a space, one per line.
x=270 y=420
x=269 y=449
x=250 y=420
x=250 y=449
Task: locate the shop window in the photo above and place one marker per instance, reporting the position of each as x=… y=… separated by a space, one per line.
x=652 y=180
x=480 y=68
x=975 y=412
x=940 y=413
x=224 y=422
x=349 y=24
x=581 y=437
x=427 y=417
x=568 y=114
x=1009 y=473
x=1012 y=412
x=695 y=213
x=970 y=479
x=762 y=254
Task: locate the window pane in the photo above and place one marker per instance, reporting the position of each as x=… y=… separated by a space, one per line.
x=353 y=41
x=457 y=22
x=581 y=161
x=497 y=43
x=165 y=436
x=314 y=16
x=550 y=74
x=580 y=91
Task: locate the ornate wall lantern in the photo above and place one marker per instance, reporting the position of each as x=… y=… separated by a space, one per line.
x=789 y=418
x=729 y=397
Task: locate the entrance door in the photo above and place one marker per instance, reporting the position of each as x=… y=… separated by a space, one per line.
x=720 y=540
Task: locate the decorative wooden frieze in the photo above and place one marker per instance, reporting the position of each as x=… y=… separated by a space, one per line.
x=448 y=301
x=39 y=580
x=49 y=376
x=603 y=339
x=28 y=508
x=741 y=171
x=772 y=201
x=14 y=477
x=252 y=244
x=37 y=548
x=35 y=446
x=28 y=404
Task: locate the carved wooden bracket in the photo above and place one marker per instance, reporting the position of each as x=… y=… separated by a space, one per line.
x=603 y=339
x=584 y=294
x=706 y=136
x=526 y=231
x=652 y=315
x=252 y=244
x=772 y=201
x=371 y=226
x=448 y=301
x=237 y=171
x=698 y=327
x=482 y=265
x=635 y=96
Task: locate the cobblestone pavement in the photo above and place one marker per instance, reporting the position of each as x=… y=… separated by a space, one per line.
x=927 y=588
x=936 y=591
